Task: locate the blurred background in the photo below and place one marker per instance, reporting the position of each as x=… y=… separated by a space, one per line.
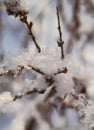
x=77 y=23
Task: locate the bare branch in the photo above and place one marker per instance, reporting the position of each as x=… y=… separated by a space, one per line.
x=37 y=70
x=12 y=72
x=60 y=41
x=21 y=95
x=8 y=72
x=63 y=70
x=23 y=18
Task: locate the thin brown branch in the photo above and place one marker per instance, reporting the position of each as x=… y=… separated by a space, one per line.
x=60 y=41
x=8 y=72
x=15 y=9
x=21 y=68
x=12 y=72
x=63 y=70
x=37 y=70
x=21 y=95
x=23 y=18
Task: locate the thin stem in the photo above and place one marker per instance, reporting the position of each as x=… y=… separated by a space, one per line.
x=60 y=41
x=33 y=38
x=21 y=95
x=23 y=18
x=37 y=70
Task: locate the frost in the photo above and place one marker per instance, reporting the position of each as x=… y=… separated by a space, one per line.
x=64 y=84
x=49 y=62
x=85 y=110
x=14 y=7
x=5 y=98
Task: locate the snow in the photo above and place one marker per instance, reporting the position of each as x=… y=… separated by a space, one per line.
x=5 y=98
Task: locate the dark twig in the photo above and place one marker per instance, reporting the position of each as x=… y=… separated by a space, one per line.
x=23 y=18
x=8 y=72
x=63 y=70
x=12 y=72
x=21 y=68
x=21 y=95
x=37 y=70
x=60 y=41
